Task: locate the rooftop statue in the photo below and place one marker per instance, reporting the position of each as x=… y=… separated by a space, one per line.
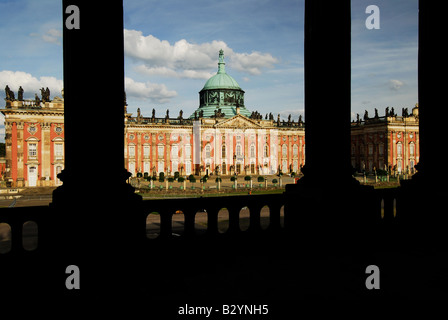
x=9 y=94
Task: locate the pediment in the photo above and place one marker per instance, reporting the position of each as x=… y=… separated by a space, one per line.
x=238 y=121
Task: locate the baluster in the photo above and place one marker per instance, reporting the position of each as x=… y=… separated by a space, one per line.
x=189 y=217
x=234 y=219
x=254 y=218
x=165 y=224
x=212 y=221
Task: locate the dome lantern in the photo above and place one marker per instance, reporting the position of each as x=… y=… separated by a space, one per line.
x=221 y=92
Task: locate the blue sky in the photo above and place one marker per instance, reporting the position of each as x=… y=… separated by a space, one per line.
x=171 y=49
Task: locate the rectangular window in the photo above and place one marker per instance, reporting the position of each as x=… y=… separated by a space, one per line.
x=160 y=152
x=32 y=150
x=146 y=151
x=174 y=152
x=399 y=149
x=146 y=167
x=187 y=167
x=381 y=149
x=188 y=151
x=131 y=151
x=58 y=151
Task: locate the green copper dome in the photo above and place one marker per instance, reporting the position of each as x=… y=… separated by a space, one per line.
x=221 y=81
x=221 y=95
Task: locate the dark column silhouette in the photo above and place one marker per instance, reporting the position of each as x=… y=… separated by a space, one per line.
x=94 y=209
x=431 y=61
x=423 y=197
x=323 y=205
x=327 y=91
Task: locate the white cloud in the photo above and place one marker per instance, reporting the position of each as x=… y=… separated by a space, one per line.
x=51 y=36
x=252 y=63
x=395 y=85
x=29 y=83
x=167 y=72
x=146 y=90
x=188 y=60
x=295 y=113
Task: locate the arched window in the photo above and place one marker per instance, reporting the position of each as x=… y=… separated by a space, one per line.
x=238 y=150
x=266 y=151
x=223 y=151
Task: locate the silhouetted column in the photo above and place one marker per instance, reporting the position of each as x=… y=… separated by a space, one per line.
x=96 y=216
x=328 y=208
x=421 y=205
x=327 y=91
x=431 y=94
x=93 y=95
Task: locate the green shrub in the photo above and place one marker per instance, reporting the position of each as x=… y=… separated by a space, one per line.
x=181 y=179
x=274 y=181
x=380 y=172
x=218 y=179
x=247 y=178
x=232 y=178
x=170 y=179
x=260 y=179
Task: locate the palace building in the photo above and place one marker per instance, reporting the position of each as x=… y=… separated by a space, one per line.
x=34 y=140
x=389 y=143
x=221 y=137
